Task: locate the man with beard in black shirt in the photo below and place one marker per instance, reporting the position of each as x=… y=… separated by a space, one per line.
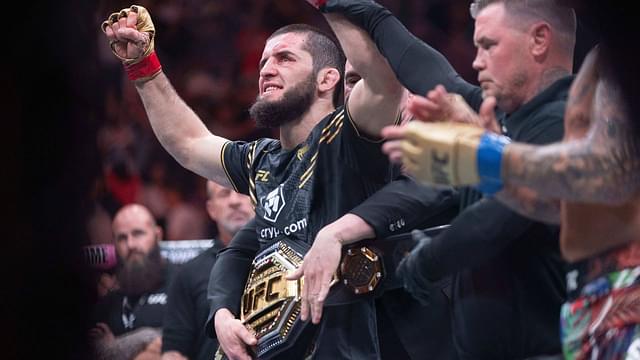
x=406 y=329
x=130 y=318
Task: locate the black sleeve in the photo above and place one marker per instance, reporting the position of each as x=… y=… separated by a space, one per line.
x=229 y=274
x=404 y=205
x=479 y=233
x=179 y=326
x=418 y=66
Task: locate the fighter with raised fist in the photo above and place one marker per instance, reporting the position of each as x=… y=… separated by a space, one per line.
x=297 y=183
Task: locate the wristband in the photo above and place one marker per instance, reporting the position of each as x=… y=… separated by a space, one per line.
x=489 y=160
x=146 y=69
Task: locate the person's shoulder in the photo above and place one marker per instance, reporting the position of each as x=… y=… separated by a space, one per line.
x=332 y=120
x=266 y=145
x=195 y=265
x=338 y=113
x=172 y=271
x=551 y=111
x=258 y=145
x=207 y=256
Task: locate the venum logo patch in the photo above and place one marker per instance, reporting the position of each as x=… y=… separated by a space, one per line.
x=273 y=204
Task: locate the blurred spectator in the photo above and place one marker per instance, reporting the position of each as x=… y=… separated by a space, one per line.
x=156 y=193
x=186 y=218
x=188 y=308
x=121 y=177
x=128 y=320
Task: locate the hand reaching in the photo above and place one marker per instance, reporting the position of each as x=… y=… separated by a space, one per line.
x=441 y=106
x=318 y=268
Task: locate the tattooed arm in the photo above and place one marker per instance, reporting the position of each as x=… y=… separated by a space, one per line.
x=601 y=167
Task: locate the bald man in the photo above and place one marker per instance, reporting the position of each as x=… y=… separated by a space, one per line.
x=128 y=320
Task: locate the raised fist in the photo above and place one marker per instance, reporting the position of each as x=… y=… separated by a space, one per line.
x=130 y=33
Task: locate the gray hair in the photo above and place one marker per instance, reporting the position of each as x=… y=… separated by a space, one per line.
x=561 y=18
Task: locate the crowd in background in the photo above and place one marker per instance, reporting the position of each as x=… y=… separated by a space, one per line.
x=210 y=51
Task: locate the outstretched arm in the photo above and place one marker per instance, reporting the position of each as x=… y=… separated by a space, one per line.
x=401 y=205
x=180 y=130
x=598 y=160
x=602 y=167
x=131 y=37
x=375 y=101
x=418 y=67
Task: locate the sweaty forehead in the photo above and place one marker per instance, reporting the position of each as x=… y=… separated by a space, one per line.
x=293 y=42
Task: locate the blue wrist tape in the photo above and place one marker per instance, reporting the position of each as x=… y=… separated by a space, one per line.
x=490 y=161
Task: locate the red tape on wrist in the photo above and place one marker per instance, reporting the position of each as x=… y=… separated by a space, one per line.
x=147 y=68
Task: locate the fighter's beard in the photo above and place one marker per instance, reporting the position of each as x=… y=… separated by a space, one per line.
x=294 y=103
x=141 y=277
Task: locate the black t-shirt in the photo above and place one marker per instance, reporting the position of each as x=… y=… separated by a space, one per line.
x=296 y=192
x=188 y=308
x=124 y=313
x=509 y=275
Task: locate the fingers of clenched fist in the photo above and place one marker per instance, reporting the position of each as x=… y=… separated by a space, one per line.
x=130 y=32
x=122 y=18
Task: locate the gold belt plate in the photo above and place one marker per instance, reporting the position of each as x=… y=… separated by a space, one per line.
x=270 y=303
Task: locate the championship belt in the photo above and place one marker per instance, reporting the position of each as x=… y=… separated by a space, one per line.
x=270 y=305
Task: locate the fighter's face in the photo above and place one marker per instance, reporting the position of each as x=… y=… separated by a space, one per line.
x=501 y=59
x=288 y=85
x=284 y=64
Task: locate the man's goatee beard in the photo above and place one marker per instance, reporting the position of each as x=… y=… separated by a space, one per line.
x=295 y=102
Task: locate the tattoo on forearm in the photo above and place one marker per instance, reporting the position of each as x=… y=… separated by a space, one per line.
x=601 y=167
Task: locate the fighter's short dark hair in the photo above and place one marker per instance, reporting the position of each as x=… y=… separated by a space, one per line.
x=325 y=52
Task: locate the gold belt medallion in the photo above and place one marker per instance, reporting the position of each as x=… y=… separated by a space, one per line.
x=270 y=304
